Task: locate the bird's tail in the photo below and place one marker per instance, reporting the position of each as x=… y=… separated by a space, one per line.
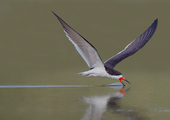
x=86 y=73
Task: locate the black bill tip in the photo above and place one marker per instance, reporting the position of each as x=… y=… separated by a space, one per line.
x=123 y=84
x=127 y=81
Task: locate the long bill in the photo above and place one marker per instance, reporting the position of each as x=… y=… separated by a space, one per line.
x=127 y=81
x=122 y=78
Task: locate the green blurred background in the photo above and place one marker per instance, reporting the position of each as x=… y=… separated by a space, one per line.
x=35 y=51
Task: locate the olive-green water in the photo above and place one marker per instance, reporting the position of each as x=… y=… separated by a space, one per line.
x=35 y=53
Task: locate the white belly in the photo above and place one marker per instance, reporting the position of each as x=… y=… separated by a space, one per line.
x=99 y=72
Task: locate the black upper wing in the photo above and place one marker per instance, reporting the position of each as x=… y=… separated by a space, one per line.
x=133 y=47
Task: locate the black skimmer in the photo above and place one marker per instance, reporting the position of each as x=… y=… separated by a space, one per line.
x=92 y=58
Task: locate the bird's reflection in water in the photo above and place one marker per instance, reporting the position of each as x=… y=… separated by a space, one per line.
x=111 y=103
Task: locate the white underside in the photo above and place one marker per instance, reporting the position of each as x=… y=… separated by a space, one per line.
x=99 y=72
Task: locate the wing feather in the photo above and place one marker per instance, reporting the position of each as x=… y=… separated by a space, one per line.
x=84 y=48
x=133 y=47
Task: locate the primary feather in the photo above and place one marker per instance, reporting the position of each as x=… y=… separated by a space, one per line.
x=85 y=49
x=133 y=47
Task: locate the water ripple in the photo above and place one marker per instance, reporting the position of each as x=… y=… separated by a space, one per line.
x=56 y=86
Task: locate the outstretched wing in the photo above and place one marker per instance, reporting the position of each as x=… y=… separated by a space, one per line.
x=85 y=49
x=133 y=47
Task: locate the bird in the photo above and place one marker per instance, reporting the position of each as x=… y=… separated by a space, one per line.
x=89 y=53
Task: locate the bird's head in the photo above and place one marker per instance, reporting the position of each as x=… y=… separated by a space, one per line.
x=121 y=80
x=116 y=75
